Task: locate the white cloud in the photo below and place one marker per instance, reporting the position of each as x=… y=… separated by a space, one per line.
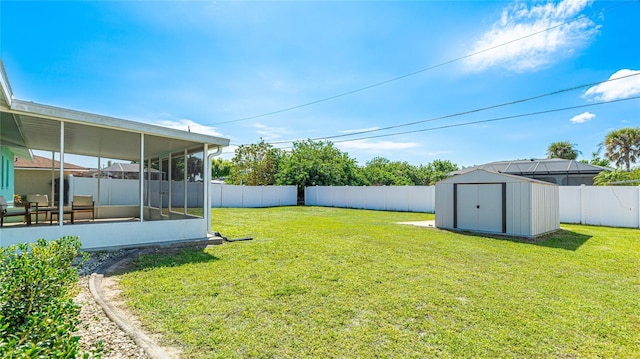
x=582 y=118
x=519 y=21
x=618 y=89
x=377 y=145
x=271 y=133
x=188 y=125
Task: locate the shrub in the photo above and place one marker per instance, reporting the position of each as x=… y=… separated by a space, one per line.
x=38 y=317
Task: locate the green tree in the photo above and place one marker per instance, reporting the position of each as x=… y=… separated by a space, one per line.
x=435 y=171
x=562 y=149
x=618 y=177
x=255 y=164
x=220 y=168
x=382 y=172
x=596 y=160
x=317 y=163
x=623 y=146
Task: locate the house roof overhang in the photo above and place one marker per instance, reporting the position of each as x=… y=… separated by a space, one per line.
x=30 y=125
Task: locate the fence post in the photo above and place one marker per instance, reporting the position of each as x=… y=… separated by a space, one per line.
x=582 y=215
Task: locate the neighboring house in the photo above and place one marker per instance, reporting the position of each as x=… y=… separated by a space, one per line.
x=38 y=175
x=26 y=126
x=128 y=171
x=554 y=170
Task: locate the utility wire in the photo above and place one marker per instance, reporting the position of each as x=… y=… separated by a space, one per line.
x=465 y=112
x=491 y=120
x=418 y=71
x=474 y=122
x=462 y=123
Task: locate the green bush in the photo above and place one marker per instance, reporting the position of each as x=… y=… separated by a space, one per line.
x=38 y=317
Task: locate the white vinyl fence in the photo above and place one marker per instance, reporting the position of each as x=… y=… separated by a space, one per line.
x=615 y=206
x=122 y=192
x=385 y=198
x=223 y=195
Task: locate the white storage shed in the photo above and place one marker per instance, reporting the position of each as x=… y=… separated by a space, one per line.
x=491 y=202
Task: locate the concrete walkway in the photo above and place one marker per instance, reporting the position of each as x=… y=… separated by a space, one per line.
x=431 y=224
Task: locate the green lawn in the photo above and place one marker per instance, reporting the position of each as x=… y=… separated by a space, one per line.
x=339 y=283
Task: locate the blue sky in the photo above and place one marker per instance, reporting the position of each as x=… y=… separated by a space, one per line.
x=210 y=65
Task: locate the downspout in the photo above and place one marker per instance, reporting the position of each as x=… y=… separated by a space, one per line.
x=207 y=183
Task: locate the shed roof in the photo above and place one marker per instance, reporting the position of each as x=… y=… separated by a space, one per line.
x=479 y=175
x=538 y=167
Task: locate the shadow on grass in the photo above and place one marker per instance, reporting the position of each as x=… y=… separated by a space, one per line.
x=161 y=257
x=562 y=239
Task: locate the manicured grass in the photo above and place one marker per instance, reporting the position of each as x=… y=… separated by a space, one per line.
x=339 y=283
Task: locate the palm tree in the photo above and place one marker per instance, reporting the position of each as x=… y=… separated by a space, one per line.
x=623 y=146
x=562 y=149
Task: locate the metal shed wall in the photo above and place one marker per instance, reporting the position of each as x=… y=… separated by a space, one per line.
x=545 y=209
x=532 y=207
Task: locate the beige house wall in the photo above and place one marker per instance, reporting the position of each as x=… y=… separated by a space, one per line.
x=34 y=181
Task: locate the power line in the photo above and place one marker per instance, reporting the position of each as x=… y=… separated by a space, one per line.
x=418 y=71
x=490 y=120
x=466 y=112
x=464 y=123
x=529 y=114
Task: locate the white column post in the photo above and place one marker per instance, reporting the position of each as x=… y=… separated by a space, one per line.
x=184 y=181
x=206 y=182
x=169 y=179
x=61 y=180
x=53 y=177
x=582 y=209
x=141 y=179
x=99 y=198
x=149 y=183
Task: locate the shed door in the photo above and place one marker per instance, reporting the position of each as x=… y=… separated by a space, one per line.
x=479 y=207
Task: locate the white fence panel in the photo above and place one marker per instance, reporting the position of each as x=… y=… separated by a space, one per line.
x=231 y=196
x=223 y=195
x=113 y=192
x=311 y=196
x=376 y=198
x=120 y=192
x=611 y=206
x=288 y=196
x=323 y=197
x=396 y=198
x=252 y=196
x=422 y=199
x=357 y=197
x=570 y=204
x=339 y=196
x=616 y=206
x=383 y=198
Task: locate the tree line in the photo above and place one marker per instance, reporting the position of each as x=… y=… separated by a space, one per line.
x=320 y=163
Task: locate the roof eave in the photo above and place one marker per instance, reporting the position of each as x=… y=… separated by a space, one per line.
x=57 y=113
x=6 y=92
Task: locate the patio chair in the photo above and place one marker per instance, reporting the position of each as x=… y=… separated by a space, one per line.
x=39 y=203
x=5 y=211
x=82 y=203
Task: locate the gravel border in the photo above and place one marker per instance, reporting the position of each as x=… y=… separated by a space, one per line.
x=95 y=325
x=102 y=315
